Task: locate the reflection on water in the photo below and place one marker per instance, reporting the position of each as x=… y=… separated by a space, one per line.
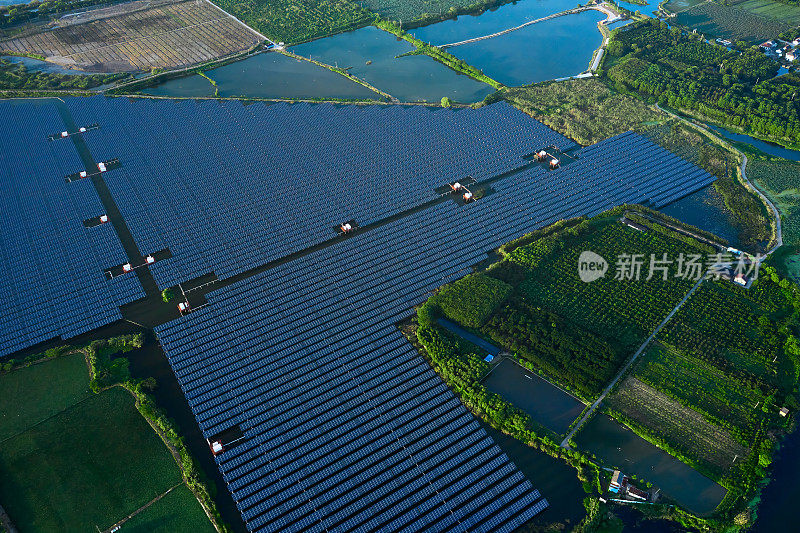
x=556 y=481
x=370 y=54
x=546 y=403
x=268 y=75
x=37 y=65
x=705 y=209
x=618 y=446
x=543 y=51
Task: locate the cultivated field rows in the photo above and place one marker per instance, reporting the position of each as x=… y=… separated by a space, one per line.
x=164 y=37
x=683 y=427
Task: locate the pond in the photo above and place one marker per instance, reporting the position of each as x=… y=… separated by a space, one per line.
x=705 y=209
x=543 y=51
x=556 y=481
x=766 y=147
x=267 y=75
x=546 y=403
x=620 y=447
x=37 y=65
x=370 y=54
x=501 y=18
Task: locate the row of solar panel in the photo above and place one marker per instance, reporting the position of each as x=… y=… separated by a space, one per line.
x=54 y=284
x=248 y=222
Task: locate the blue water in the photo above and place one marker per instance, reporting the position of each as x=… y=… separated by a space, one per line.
x=620 y=447
x=540 y=52
x=36 y=65
x=371 y=53
x=705 y=209
x=764 y=146
x=544 y=402
x=269 y=75
x=504 y=17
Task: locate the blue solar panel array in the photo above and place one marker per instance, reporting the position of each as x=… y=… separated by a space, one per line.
x=307 y=360
x=345 y=427
x=227 y=186
x=52 y=283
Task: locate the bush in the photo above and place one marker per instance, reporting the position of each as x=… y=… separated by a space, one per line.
x=471 y=301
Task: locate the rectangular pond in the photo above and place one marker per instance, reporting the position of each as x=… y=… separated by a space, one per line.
x=370 y=54
x=552 y=49
x=618 y=446
x=267 y=75
x=546 y=403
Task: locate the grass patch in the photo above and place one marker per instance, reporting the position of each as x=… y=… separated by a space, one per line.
x=177 y=511
x=35 y=393
x=585 y=110
x=471 y=300
x=89 y=466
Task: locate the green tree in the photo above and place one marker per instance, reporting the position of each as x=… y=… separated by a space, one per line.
x=446 y=102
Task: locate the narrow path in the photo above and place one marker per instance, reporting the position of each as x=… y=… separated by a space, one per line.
x=111 y=209
x=515 y=28
x=645 y=344
x=116 y=526
x=775 y=213
x=748 y=184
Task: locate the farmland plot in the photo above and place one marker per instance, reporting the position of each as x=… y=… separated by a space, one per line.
x=166 y=36
x=749 y=21
x=682 y=428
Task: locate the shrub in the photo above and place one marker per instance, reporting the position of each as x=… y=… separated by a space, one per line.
x=471 y=300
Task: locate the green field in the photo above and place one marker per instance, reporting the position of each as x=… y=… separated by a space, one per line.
x=298 y=21
x=779 y=179
x=753 y=21
x=682 y=428
x=424 y=10
x=177 y=511
x=72 y=460
x=586 y=110
x=41 y=391
x=575 y=333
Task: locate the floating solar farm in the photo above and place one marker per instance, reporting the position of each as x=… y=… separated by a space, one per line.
x=326 y=418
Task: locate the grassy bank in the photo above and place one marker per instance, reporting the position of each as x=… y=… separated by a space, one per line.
x=438 y=54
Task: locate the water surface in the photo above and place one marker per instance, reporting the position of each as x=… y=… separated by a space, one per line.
x=501 y=18
x=620 y=447
x=540 y=52
x=546 y=403
x=764 y=146
x=370 y=54
x=705 y=209
x=267 y=75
